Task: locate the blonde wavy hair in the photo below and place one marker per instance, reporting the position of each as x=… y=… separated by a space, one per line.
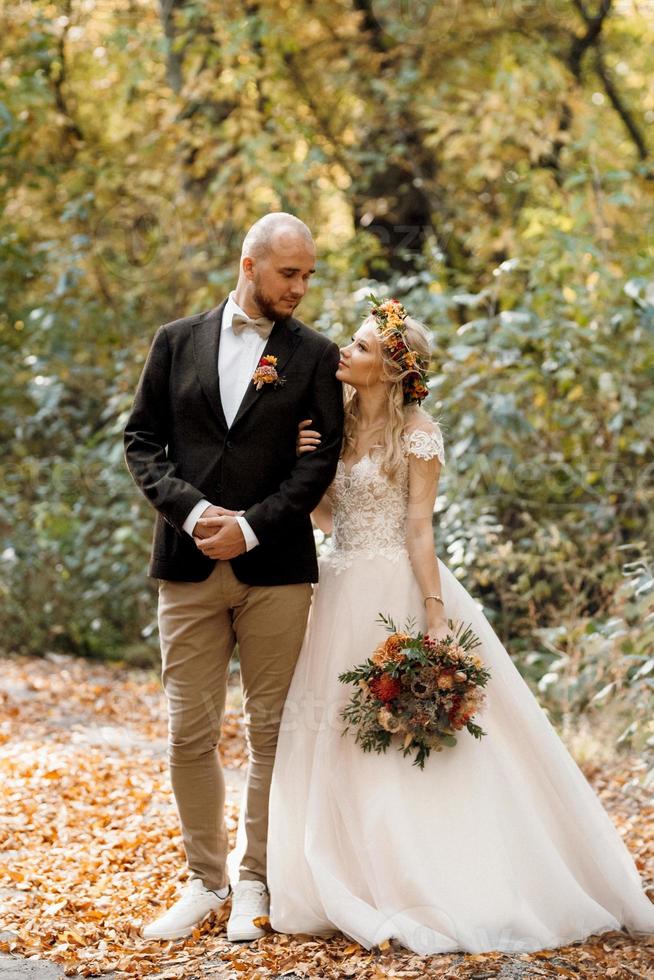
x=400 y=416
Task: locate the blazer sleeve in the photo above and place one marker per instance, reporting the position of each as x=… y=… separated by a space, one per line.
x=146 y=438
x=313 y=472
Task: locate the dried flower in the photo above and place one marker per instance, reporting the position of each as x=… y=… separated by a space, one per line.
x=390 y=317
x=385 y=688
x=266 y=373
x=388 y=721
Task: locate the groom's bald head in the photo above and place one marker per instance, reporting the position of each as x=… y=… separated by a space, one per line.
x=274 y=231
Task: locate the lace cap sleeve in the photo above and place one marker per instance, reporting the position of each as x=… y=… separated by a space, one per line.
x=425 y=444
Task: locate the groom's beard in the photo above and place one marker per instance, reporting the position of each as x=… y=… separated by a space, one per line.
x=268 y=307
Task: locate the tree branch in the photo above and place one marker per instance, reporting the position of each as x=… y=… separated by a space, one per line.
x=552 y=159
x=174 y=59
x=592 y=38
x=371 y=26
x=616 y=101
x=59 y=80
x=253 y=14
x=322 y=118
x=594 y=24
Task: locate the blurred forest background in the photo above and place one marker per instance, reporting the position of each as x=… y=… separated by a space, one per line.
x=489 y=163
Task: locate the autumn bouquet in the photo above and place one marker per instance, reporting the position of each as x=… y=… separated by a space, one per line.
x=416 y=690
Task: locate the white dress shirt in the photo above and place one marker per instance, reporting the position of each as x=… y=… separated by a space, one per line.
x=238 y=357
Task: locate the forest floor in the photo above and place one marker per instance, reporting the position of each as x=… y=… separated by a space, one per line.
x=90 y=848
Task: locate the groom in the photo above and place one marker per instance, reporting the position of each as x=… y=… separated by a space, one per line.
x=214 y=453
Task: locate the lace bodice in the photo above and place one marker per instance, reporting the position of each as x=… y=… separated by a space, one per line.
x=369 y=511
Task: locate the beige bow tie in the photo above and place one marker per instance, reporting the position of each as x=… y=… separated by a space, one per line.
x=262 y=324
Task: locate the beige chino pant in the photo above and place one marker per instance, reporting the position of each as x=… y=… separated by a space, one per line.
x=199 y=625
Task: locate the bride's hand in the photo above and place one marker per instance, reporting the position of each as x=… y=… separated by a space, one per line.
x=438 y=630
x=307 y=439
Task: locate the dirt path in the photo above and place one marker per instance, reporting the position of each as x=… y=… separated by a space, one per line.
x=90 y=848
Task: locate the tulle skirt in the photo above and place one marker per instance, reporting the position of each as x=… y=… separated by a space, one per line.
x=500 y=843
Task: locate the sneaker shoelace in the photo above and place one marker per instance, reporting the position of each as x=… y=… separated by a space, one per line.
x=195 y=890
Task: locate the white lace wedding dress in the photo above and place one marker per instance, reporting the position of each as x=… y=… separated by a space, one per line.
x=499 y=843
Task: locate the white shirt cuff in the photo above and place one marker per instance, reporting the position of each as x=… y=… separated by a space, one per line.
x=192 y=518
x=251 y=540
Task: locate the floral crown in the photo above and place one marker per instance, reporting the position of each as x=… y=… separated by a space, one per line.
x=390 y=317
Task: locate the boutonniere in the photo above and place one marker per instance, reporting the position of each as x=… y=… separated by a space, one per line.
x=266 y=373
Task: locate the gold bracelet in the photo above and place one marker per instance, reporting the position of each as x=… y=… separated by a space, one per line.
x=437 y=597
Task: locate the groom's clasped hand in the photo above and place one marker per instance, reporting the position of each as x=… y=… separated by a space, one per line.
x=218 y=535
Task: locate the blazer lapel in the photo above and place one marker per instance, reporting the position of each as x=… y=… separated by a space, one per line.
x=284 y=338
x=206 y=343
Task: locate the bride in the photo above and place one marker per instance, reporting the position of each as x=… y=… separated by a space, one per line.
x=499 y=843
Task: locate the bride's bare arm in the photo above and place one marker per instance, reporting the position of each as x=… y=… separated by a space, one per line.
x=307 y=441
x=424 y=475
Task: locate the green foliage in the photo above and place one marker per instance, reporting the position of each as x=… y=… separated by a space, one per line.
x=605 y=663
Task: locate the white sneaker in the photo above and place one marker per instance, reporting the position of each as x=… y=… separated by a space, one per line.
x=249 y=900
x=188 y=912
